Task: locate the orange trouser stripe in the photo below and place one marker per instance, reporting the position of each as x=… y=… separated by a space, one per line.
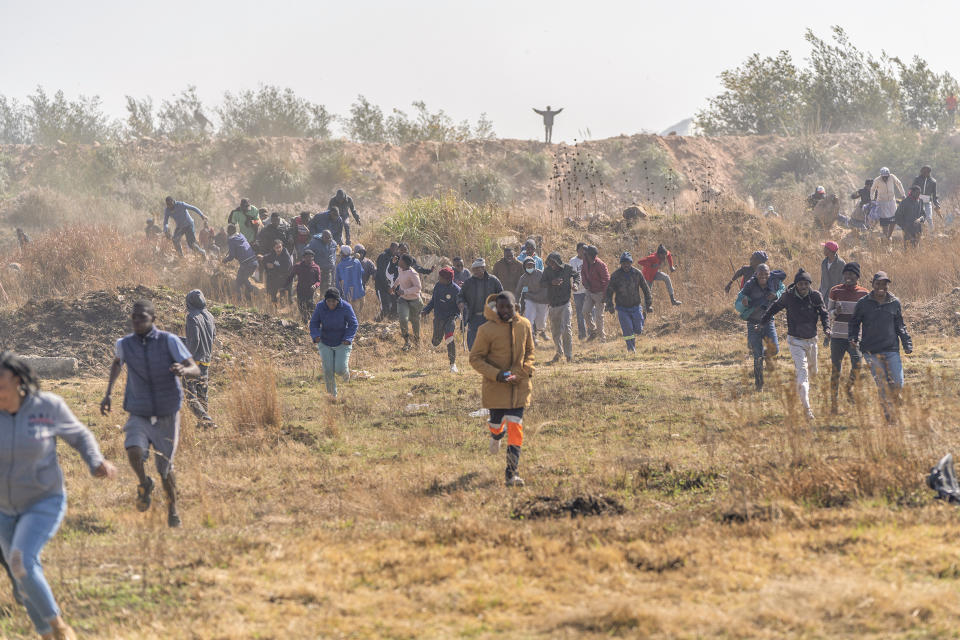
x=515 y=433
x=496 y=429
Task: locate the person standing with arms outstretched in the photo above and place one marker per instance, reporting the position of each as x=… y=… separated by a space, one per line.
x=548 y=122
x=156 y=360
x=503 y=355
x=33 y=498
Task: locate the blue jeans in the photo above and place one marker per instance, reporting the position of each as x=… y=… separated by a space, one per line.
x=631 y=324
x=755 y=335
x=887 y=370
x=22 y=538
x=928 y=214
x=336 y=360
x=578 y=299
x=473 y=324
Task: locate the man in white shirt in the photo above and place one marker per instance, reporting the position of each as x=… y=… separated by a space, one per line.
x=886 y=186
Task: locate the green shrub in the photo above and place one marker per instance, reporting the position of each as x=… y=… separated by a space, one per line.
x=445 y=224
x=483 y=187
x=332 y=171
x=275 y=181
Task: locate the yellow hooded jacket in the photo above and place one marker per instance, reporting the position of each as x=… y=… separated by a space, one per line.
x=503 y=346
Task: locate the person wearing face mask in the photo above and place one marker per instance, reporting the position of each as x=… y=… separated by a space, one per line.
x=886 y=189
x=534 y=295
x=804 y=307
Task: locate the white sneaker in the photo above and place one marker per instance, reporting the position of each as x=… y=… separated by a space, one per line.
x=453 y=369
x=810 y=415
x=515 y=481
x=494 y=445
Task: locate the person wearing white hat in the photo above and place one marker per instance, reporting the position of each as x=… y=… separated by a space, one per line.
x=886 y=189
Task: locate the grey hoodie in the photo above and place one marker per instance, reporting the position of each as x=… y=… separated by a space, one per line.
x=201 y=328
x=29 y=468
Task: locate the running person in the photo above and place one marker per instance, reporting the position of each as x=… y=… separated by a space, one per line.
x=344 y=206
x=333 y=327
x=885 y=191
x=185 y=225
x=754 y=299
x=503 y=354
x=156 y=360
x=443 y=302
x=201 y=330
x=626 y=283
x=842 y=301
x=33 y=497
x=651 y=270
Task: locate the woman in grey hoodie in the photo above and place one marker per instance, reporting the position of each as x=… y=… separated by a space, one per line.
x=33 y=499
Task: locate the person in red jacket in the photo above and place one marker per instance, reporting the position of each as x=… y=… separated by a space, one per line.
x=651 y=270
x=595 y=277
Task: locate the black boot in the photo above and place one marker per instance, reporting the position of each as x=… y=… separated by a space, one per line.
x=758 y=373
x=513 y=461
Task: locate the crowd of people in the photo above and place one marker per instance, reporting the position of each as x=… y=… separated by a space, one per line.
x=861 y=324
x=883 y=202
x=503 y=313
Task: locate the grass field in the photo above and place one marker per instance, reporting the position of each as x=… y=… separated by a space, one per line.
x=720 y=513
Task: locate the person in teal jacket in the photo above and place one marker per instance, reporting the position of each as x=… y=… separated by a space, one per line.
x=754 y=299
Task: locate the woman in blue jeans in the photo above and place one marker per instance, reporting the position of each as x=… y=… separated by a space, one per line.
x=332 y=328
x=33 y=499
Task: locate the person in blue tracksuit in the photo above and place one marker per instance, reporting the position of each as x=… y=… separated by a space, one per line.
x=333 y=327
x=443 y=304
x=626 y=284
x=350 y=278
x=179 y=211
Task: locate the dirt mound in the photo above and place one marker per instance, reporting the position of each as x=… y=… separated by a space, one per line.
x=554 y=507
x=87 y=327
x=937 y=316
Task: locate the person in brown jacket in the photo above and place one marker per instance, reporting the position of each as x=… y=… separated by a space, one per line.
x=508 y=270
x=503 y=354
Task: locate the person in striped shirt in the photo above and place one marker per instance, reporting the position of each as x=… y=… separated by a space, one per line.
x=840 y=305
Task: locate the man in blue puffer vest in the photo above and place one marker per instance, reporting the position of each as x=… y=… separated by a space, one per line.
x=156 y=360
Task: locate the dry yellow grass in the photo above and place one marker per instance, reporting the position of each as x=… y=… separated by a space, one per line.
x=360 y=520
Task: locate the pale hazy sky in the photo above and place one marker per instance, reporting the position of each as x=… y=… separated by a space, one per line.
x=615 y=67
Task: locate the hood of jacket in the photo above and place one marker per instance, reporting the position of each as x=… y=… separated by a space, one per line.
x=490 y=309
x=195 y=301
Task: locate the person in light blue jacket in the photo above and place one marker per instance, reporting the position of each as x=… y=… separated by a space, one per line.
x=33 y=498
x=350 y=278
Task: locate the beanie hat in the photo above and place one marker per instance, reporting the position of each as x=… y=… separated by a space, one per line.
x=802 y=275
x=555 y=258
x=852 y=267
x=626 y=257
x=479 y=262
x=831 y=245
x=661 y=249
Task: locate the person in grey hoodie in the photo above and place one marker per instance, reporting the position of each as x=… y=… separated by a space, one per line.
x=33 y=498
x=201 y=331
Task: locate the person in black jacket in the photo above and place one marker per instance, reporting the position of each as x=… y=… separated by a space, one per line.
x=928 y=194
x=473 y=297
x=909 y=217
x=388 y=301
x=626 y=283
x=330 y=221
x=881 y=317
x=560 y=280
x=804 y=307
x=343 y=204
x=859 y=218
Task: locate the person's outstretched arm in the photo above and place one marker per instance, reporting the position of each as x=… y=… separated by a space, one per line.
x=647 y=298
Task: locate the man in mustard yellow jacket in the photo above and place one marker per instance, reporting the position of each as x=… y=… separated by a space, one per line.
x=503 y=355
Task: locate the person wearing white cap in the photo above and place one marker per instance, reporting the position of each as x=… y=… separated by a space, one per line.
x=886 y=189
x=350 y=278
x=473 y=297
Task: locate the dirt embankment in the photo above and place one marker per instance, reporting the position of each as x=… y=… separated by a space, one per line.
x=87 y=327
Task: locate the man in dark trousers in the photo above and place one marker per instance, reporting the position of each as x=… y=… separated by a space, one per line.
x=473 y=297
x=508 y=269
x=443 y=302
x=928 y=194
x=388 y=301
x=155 y=360
x=344 y=206
x=185 y=225
x=309 y=279
x=548 y=122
